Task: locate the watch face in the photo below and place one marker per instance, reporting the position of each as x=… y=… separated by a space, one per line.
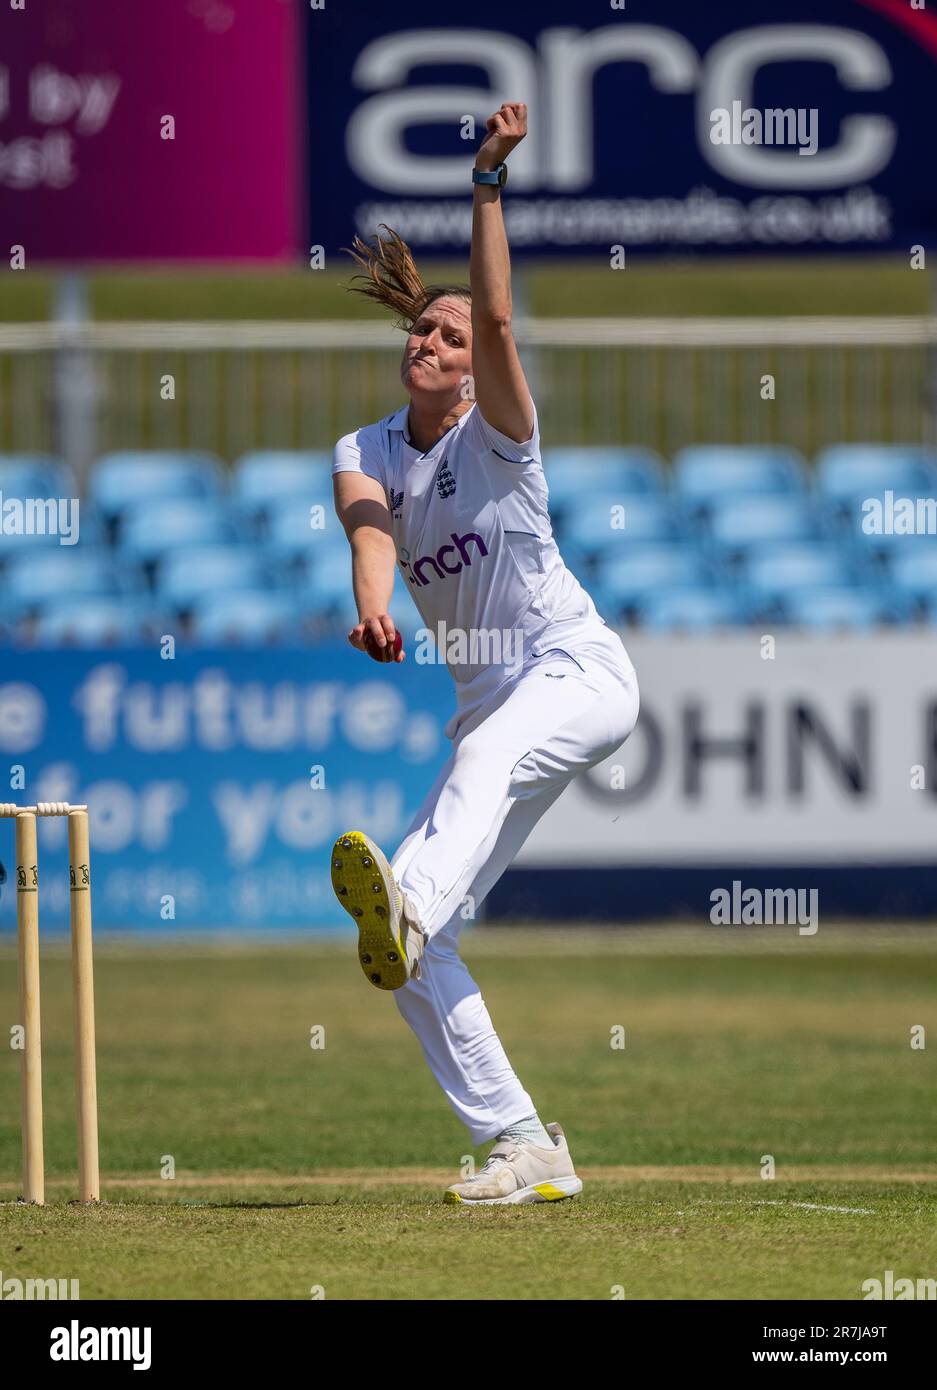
x=502 y=174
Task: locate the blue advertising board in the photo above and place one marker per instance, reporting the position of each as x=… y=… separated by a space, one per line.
x=216 y=781
x=790 y=126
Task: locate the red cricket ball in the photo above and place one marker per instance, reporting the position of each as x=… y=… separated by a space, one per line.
x=386 y=653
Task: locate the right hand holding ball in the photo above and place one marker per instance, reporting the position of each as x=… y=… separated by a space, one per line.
x=379 y=638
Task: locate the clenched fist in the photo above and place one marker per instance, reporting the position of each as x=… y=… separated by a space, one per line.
x=506 y=129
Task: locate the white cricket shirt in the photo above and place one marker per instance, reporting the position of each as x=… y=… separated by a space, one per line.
x=471 y=524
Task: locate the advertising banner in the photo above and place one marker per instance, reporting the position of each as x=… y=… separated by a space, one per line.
x=218 y=781
x=788 y=126
x=150 y=130
x=810 y=757
x=253 y=129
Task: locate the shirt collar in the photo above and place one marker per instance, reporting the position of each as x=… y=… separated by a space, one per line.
x=398 y=421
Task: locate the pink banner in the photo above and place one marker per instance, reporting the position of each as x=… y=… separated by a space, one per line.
x=150 y=130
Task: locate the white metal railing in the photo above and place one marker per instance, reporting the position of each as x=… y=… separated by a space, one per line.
x=340 y=334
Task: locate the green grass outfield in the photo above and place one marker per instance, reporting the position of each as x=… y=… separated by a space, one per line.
x=301 y=1168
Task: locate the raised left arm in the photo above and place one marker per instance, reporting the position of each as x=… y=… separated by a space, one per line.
x=501 y=389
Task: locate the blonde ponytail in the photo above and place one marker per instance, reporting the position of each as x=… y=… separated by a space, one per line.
x=392 y=279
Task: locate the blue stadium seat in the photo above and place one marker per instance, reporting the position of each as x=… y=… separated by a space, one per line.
x=289 y=536
x=32 y=542
x=246 y=616
x=335 y=619
x=150 y=529
x=328 y=593
x=94 y=622
x=327 y=586
x=588 y=525
x=265 y=477
x=573 y=473
x=325 y=590
x=120 y=479
x=25 y=544
x=833 y=608
x=35 y=475
x=642 y=569
x=692 y=610
x=185 y=576
x=41 y=484
x=704 y=474
x=738 y=524
x=339 y=615
x=62 y=572
x=852 y=522
x=881 y=547
x=778 y=570
x=849 y=473
x=913 y=570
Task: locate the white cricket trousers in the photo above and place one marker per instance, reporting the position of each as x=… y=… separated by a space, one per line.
x=566 y=711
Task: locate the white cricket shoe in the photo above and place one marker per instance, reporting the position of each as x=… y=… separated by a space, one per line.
x=517 y=1171
x=390 y=941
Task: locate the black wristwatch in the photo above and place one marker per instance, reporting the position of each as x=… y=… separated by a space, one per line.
x=497 y=175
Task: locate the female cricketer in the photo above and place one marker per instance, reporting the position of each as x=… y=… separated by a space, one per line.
x=452 y=489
